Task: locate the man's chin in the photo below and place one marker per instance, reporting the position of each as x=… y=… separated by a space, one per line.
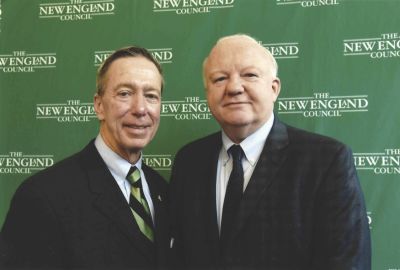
x=136 y=147
x=238 y=122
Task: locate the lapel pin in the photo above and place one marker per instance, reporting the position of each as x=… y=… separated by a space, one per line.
x=159 y=198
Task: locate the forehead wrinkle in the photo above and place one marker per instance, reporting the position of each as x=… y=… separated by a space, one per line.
x=131 y=74
x=133 y=83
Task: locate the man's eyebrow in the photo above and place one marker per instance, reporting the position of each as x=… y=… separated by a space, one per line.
x=127 y=85
x=133 y=87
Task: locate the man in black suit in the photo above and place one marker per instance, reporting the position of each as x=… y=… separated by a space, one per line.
x=261 y=194
x=101 y=208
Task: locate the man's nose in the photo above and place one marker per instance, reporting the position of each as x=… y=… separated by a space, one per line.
x=234 y=85
x=138 y=104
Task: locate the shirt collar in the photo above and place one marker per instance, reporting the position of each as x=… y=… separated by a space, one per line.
x=252 y=146
x=115 y=163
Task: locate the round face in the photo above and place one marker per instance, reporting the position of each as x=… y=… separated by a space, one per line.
x=241 y=89
x=129 y=109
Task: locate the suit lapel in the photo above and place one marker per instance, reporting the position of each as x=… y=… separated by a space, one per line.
x=270 y=161
x=108 y=199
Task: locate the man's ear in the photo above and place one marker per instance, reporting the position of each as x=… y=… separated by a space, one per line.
x=98 y=106
x=276 y=87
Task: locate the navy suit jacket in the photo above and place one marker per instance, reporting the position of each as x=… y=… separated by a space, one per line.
x=74 y=215
x=302 y=209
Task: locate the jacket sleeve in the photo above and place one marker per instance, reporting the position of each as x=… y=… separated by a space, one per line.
x=342 y=236
x=30 y=236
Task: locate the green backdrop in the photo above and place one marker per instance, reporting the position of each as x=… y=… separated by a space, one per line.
x=339 y=66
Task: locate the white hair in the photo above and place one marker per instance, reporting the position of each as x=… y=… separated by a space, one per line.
x=274 y=68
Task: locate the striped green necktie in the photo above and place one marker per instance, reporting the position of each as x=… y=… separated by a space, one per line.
x=139 y=207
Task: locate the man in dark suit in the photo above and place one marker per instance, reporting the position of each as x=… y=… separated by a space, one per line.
x=261 y=194
x=101 y=208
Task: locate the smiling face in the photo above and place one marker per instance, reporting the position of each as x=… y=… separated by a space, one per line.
x=241 y=86
x=129 y=108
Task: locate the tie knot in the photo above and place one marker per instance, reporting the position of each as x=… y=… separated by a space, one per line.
x=134 y=176
x=236 y=151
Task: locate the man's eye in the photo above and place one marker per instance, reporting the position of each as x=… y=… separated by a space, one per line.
x=123 y=93
x=219 y=79
x=250 y=75
x=152 y=97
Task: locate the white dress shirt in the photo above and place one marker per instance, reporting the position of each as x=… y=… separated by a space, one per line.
x=252 y=147
x=119 y=168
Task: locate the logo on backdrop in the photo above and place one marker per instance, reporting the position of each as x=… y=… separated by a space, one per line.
x=308 y=3
x=162 y=55
x=76 y=10
x=190 y=108
x=283 y=50
x=20 y=163
x=190 y=7
x=322 y=105
x=385 y=46
x=158 y=162
x=385 y=162
x=71 y=111
x=21 y=61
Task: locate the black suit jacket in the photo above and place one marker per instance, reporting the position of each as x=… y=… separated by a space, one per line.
x=74 y=215
x=302 y=209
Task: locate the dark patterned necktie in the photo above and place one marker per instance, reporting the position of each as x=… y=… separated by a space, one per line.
x=233 y=195
x=139 y=207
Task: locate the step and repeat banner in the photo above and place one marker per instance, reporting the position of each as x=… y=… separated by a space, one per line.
x=339 y=63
